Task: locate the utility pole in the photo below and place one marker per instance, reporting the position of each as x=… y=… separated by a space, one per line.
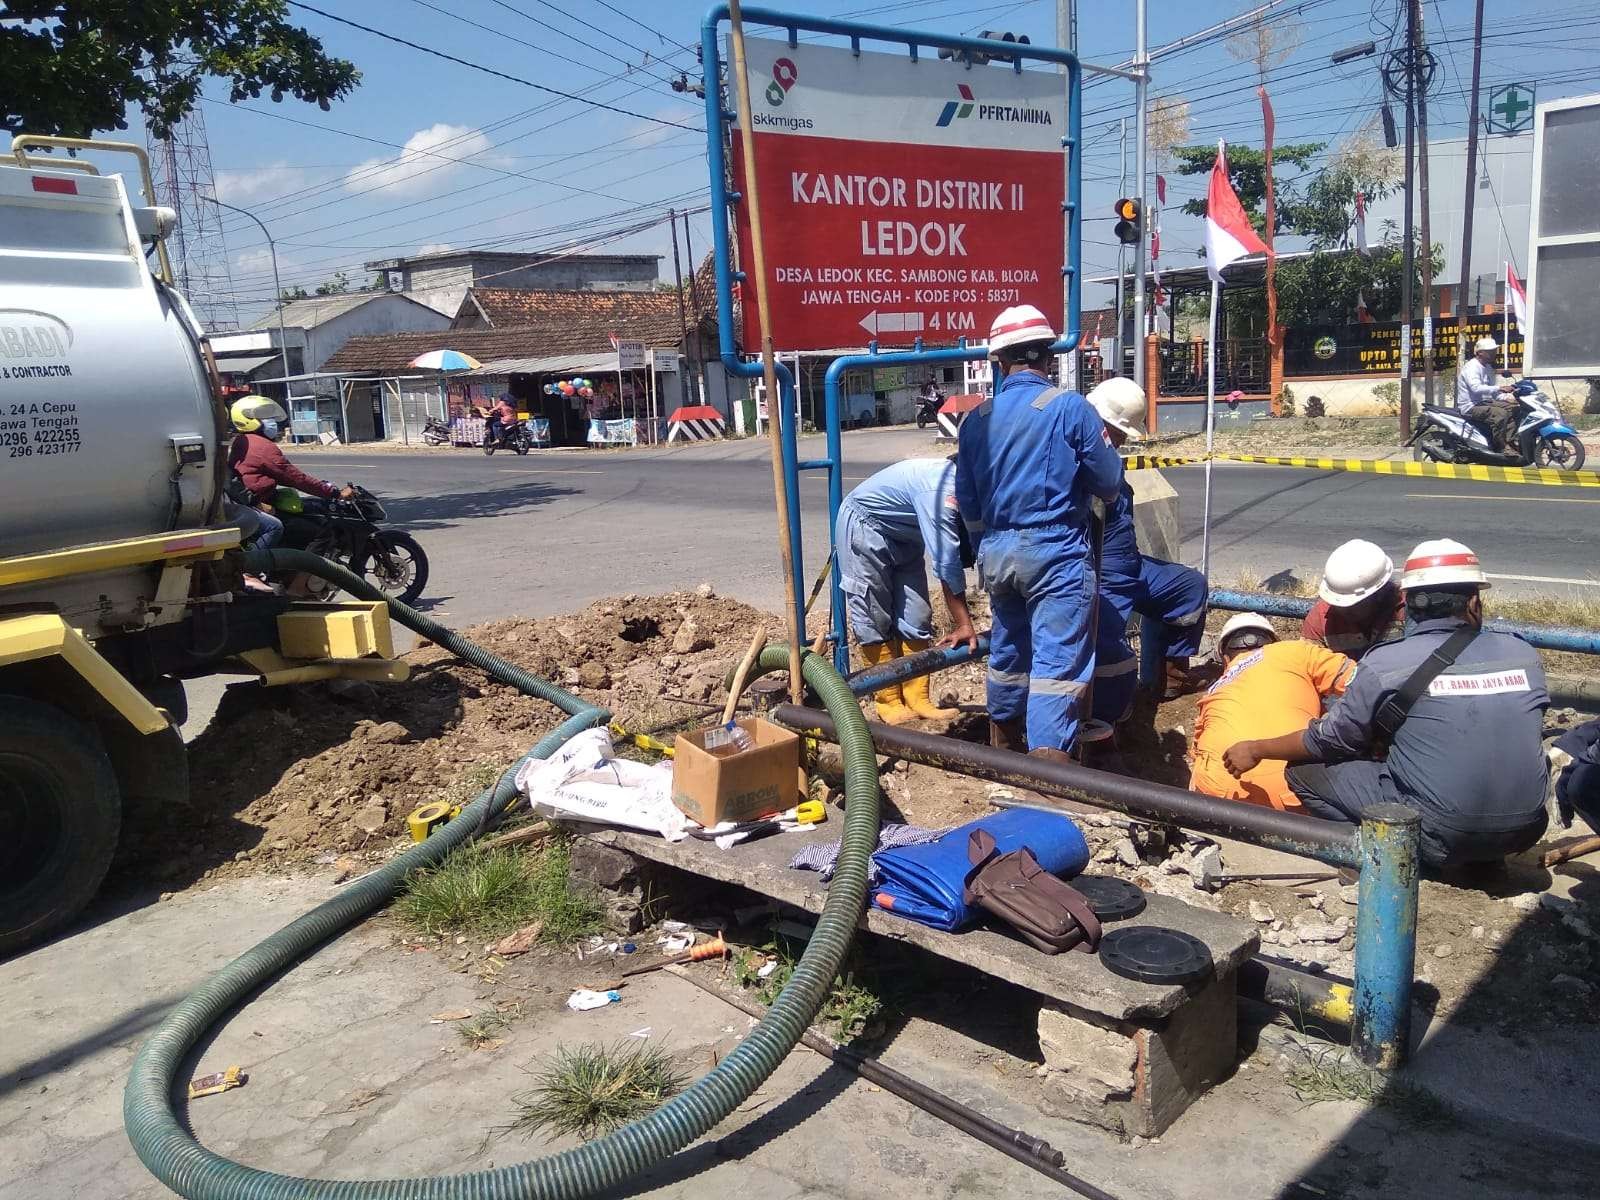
x=683 y=311
x=277 y=287
x=1418 y=49
x=1462 y=349
x=1141 y=63
x=1067 y=39
x=1408 y=251
x=697 y=390
x=1122 y=256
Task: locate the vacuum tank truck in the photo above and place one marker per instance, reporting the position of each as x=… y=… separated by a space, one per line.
x=119 y=564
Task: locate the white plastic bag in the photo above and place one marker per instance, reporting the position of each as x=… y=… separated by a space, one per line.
x=584 y=780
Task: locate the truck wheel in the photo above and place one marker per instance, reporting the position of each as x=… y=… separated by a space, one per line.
x=60 y=813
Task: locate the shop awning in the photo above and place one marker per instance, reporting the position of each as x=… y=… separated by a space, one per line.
x=243 y=366
x=550 y=364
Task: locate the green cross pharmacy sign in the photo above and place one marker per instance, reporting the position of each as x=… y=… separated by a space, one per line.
x=1511 y=108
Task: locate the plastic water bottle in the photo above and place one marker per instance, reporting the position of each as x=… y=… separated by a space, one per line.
x=728 y=739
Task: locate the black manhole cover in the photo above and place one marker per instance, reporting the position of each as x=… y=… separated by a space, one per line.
x=1112 y=899
x=1152 y=954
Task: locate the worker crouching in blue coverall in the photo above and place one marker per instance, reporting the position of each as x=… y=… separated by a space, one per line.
x=1132 y=582
x=885 y=527
x=1030 y=460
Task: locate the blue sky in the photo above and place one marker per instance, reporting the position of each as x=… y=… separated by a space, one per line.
x=534 y=170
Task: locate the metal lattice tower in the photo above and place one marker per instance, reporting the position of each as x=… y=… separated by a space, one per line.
x=181 y=167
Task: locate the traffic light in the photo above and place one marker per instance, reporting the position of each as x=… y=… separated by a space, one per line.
x=1130 y=220
x=978 y=58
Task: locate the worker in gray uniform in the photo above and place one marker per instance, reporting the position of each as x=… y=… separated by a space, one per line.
x=889 y=526
x=1448 y=720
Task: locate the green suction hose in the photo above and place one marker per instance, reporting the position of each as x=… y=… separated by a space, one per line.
x=173 y=1155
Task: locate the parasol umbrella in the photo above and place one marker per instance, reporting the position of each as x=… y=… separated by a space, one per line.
x=445 y=360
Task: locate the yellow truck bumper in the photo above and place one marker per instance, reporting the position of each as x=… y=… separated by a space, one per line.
x=44 y=635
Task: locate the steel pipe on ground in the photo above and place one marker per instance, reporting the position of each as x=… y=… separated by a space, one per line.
x=1325 y=841
x=1545 y=637
x=911 y=666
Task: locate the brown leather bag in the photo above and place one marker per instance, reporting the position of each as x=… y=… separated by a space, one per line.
x=1045 y=910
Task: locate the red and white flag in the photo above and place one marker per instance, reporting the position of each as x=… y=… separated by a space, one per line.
x=1363 y=314
x=1518 y=298
x=1361 y=222
x=1229 y=234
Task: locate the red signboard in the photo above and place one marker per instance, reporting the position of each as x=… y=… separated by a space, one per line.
x=950 y=213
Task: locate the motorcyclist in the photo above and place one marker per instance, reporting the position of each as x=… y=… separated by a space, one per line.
x=502 y=418
x=1484 y=399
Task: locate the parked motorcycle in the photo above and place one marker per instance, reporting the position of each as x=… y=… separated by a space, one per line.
x=350 y=532
x=435 y=432
x=1543 y=439
x=928 y=409
x=517 y=437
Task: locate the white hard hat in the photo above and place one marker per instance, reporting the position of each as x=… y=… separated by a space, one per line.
x=1245 y=623
x=1017 y=326
x=1442 y=561
x=1120 y=403
x=1354 y=571
x=1485 y=343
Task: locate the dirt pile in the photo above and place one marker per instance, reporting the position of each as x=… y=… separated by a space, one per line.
x=296 y=774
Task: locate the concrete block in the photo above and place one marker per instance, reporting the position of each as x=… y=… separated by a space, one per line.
x=1155 y=515
x=1098 y=1061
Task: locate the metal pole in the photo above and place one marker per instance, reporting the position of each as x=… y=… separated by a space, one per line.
x=1408 y=266
x=1462 y=349
x=683 y=312
x=1122 y=255
x=1211 y=410
x=1417 y=49
x=277 y=288
x=1141 y=60
x=1067 y=39
x=1386 y=935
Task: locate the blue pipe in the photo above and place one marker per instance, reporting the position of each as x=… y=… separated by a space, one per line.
x=858 y=31
x=1386 y=935
x=1545 y=637
x=910 y=666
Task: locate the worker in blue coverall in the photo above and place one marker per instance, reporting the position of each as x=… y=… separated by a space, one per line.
x=886 y=526
x=1132 y=582
x=1030 y=460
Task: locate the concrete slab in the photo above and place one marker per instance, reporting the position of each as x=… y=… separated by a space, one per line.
x=1079 y=981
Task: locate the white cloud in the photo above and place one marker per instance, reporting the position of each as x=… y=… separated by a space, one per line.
x=245 y=187
x=422 y=165
x=252 y=263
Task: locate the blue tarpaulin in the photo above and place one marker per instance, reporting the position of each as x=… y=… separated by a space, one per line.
x=924 y=883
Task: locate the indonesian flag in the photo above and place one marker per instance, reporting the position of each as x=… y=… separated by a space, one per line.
x=1518 y=298
x=1363 y=315
x=1229 y=234
x=1361 y=222
x=1161 y=188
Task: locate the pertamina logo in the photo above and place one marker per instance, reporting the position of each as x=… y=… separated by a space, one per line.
x=957 y=109
x=1010 y=114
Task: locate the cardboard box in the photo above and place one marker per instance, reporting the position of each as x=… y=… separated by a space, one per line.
x=739 y=786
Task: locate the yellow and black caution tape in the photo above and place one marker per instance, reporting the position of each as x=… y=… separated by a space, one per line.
x=1475 y=472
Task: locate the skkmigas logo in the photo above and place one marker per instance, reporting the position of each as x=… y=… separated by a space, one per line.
x=784 y=76
x=1011 y=114
x=955 y=110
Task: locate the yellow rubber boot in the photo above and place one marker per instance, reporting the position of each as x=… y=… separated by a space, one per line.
x=916 y=693
x=891 y=708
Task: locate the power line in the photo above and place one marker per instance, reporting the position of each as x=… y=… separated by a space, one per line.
x=389 y=37
x=643 y=66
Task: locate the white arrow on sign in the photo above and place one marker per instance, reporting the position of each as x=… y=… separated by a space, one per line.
x=904 y=322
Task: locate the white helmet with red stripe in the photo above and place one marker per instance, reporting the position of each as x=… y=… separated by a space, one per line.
x=1018 y=326
x=1439 y=562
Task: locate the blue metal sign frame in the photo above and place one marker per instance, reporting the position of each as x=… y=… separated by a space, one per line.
x=717 y=120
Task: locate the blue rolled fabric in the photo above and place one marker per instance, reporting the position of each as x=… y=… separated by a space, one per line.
x=924 y=883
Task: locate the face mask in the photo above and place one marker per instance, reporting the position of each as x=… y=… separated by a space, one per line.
x=271 y=430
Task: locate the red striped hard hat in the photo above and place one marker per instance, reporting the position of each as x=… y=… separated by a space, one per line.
x=1442 y=561
x=1017 y=326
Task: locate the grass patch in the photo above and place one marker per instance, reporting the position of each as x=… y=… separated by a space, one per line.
x=850 y=1006
x=591 y=1089
x=1328 y=1076
x=472 y=781
x=488 y=893
x=482 y=1032
x=1576 y=611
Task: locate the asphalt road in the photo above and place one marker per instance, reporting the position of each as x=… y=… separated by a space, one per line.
x=555 y=530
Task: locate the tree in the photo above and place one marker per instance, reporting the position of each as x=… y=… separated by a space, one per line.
x=1323 y=288
x=339 y=285
x=293 y=293
x=71 y=67
x=1247 y=172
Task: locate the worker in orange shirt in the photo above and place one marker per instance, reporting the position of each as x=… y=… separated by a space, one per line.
x=1267 y=685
